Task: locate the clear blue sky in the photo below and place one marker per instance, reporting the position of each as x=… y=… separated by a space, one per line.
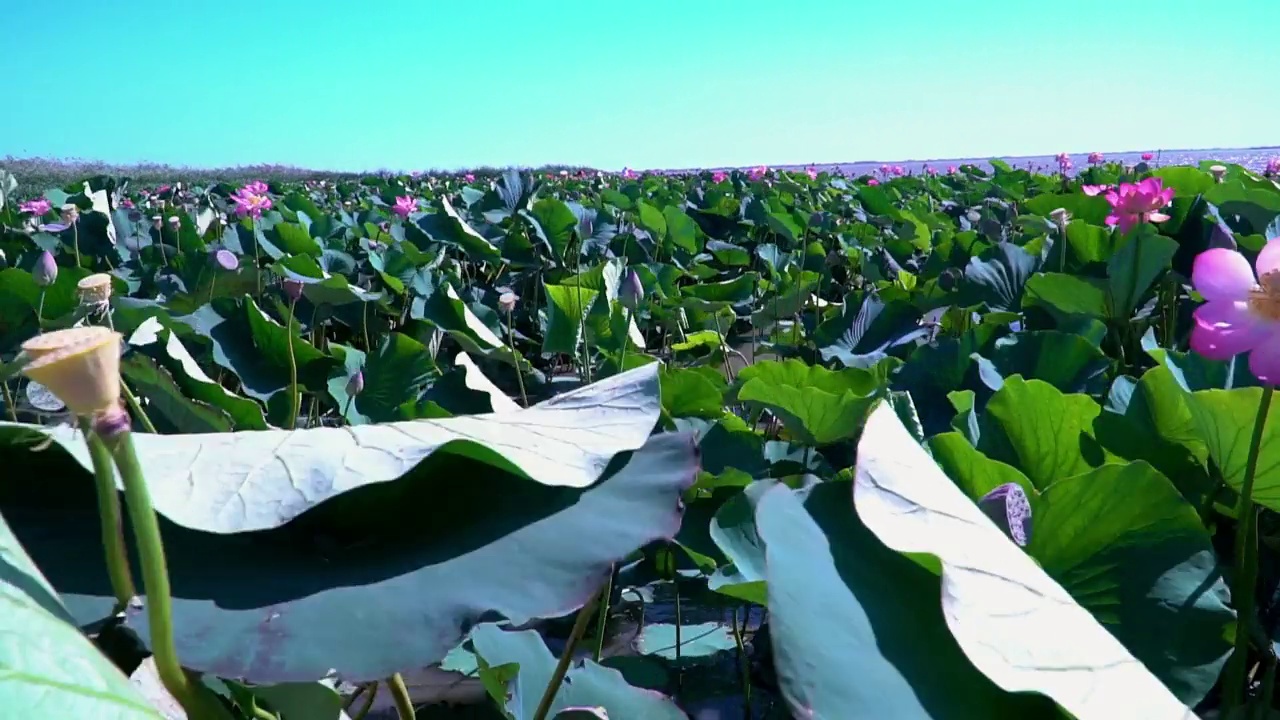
x=363 y=84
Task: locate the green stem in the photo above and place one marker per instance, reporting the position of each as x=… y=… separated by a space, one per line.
x=603 y=616
x=136 y=407
x=1246 y=566
x=155 y=579
x=294 y=398
x=8 y=402
x=566 y=656
x=364 y=325
x=263 y=714
x=400 y=694
x=257 y=265
x=1268 y=689
x=515 y=357
x=626 y=340
x=40 y=311
x=744 y=664
x=113 y=544
x=75 y=241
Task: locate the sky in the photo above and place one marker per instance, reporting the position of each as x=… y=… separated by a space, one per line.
x=404 y=85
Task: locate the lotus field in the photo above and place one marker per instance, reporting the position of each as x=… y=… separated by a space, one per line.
x=974 y=443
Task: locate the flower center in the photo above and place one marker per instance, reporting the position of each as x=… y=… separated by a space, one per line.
x=1264 y=298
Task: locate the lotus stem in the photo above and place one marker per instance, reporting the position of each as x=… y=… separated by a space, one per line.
x=400 y=694
x=566 y=656
x=603 y=616
x=294 y=399
x=372 y=692
x=75 y=241
x=155 y=580
x=515 y=357
x=1244 y=588
x=40 y=311
x=113 y=544
x=8 y=402
x=136 y=408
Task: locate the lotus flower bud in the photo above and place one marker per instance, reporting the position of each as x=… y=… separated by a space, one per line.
x=225 y=259
x=95 y=289
x=1218 y=171
x=81 y=366
x=46 y=270
x=355 y=384
x=632 y=290
x=292 y=289
x=1009 y=509
x=507 y=302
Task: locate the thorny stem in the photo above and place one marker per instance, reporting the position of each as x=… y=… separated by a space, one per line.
x=400 y=694
x=155 y=580
x=566 y=656
x=1246 y=564
x=113 y=544
x=294 y=399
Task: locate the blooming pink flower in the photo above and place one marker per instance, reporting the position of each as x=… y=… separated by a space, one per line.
x=898 y=170
x=758 y=172
x=250 y=203
x=469 y=177
x=1240 y=314
x=1092 y=190
x=1095 y=158
x=1146 y=157
x=872 y=181
x=1139 y=202
x=126 y=203
x=628 y=174
x=719 y=176
x=405 y=205
x=1273 y=167
x=257 y=187
x=931 y=171
x=165 y=188
x=38 y=207
x=812 y=172
x=885 y=169
x=951 y=169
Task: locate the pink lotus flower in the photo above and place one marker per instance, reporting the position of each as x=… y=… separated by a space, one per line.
x=404 y=205
x=469 y=177
x=1138 y=202
x=628 y=174
x=1146 y=157
x=719 y=176
x=250 y=203
x=126 y=203
x=1273 y=167
x=1092 y=190
x=873 y=181
x=951 y=169
x=165 y=188
x=931 y=171
x=758 y=172
x=885 y=169
x=1240 y=314
x=812 y=172
x=1095 y=158
x=38 y=207
x=899 y=171
x=257 y=187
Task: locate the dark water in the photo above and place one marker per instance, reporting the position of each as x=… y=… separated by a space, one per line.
x=1253 y=158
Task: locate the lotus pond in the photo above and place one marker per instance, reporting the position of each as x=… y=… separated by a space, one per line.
x=985 y=443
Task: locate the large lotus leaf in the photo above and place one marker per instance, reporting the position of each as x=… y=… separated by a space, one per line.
x=352 y=362
x=586 y=683
x=418 y=560
x=1034 y=427
x=815 y=404
x=1225 y=419
x=1067 y=361
x=255 y=347
x=239 y=482
x=998 y=276
x=167 y=407
x=682 y=231
x=48 y=669
x=1093 y=209
x=854 y=627
x=394 y=375
x=1135 y=265
x=475 y=379
x=554 y=223
x=865 y=329
x=1064 y=296
x=736 y=290
x=1252 y=208
x=319 y=285
x=1131 y=550
x=448 y=226
x=1013 y=621
x=447 y=311
x=163 y=346
x=567 y=308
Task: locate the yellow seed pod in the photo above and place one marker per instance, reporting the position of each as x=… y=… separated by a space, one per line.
x=94 y=289
x=79 y=365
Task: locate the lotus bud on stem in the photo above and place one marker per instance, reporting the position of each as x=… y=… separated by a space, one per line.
x=81 y=366
x=507 y=304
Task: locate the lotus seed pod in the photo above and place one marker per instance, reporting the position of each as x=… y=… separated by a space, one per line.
x=292 y=289
x=157 y=222
x=70 y=213
x=507 y=302
x=1009 y=508
x=95 y=289
x=632 y=290
x=79 y=365
x=355 y=385
x=1218 y=171
x=1060 y=217
x=46 y=270
x=225 y=259
x=175 y=222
